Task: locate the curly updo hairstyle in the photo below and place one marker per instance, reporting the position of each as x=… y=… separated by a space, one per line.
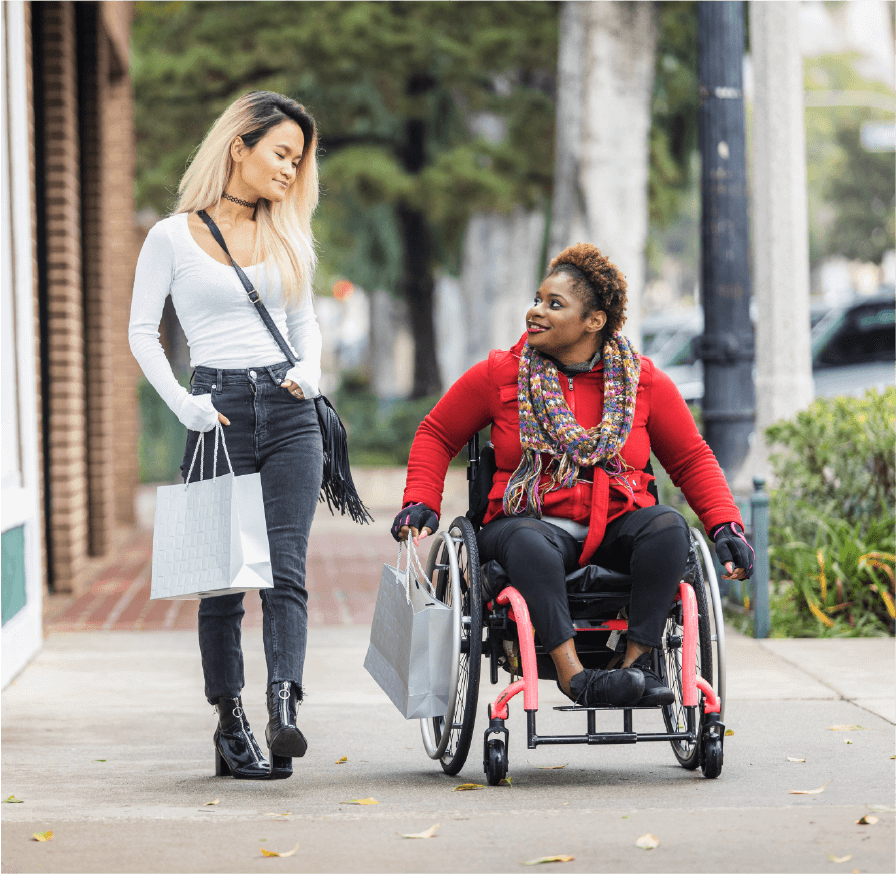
x=597 y=282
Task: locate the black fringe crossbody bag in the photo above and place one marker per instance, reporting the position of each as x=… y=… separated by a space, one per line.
x=338 y=488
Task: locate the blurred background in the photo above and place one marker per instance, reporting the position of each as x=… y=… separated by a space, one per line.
x=461 y=146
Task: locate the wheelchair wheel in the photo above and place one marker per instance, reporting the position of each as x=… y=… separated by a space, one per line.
x=495 y=761
x=670 y=666
x=448 y=737
x=711 y=583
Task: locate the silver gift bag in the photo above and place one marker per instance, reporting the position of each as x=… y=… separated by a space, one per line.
x=410 y=642
x=210 y=536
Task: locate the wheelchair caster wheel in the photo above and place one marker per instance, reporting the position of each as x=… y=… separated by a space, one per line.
x=711 y=757
x=495 y=762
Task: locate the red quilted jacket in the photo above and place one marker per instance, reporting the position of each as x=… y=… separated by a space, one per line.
x=487 y=394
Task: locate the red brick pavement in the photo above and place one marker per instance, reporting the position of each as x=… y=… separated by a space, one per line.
x=343 y=569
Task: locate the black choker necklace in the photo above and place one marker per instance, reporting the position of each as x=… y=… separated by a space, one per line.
x=245 y=203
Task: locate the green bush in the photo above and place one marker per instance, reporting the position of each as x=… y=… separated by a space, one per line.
x=832 y=518
x=380 y=431
x=160 y=446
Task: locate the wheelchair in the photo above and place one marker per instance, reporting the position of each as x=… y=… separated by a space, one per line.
x=691 y=661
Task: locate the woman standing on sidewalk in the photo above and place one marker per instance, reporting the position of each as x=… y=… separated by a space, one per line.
x=255 y=174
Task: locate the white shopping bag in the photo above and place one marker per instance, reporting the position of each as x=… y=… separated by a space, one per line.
x=410 y=641
x=210 y=536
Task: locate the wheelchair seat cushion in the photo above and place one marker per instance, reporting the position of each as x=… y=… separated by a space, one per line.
x=592 y=591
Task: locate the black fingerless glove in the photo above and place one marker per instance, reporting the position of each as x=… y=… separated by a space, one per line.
x=417 y=516
x=732 y=545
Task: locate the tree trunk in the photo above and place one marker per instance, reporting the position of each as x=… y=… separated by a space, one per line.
x=606 y=64
x=501 y=269
x=416 y=287
x=417 y=282
x=780 y=224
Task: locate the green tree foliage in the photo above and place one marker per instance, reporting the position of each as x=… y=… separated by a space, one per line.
x=396 y=89
x=863 y=187
x=676 y=99
x=850 y=191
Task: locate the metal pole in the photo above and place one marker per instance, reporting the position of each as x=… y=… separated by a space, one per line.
x=759 y=511
x=726 y=346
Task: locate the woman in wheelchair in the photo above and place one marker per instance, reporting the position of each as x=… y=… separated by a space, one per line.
x=575 y=413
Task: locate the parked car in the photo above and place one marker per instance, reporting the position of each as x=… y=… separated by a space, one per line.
x=852 y=346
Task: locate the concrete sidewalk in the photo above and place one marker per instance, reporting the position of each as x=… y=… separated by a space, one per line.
x=107 y=741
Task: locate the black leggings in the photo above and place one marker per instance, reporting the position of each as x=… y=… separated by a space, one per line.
x=650 y=544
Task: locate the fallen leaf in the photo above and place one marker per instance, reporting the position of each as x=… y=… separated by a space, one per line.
x=545 y=859
x=13 y=800
x=809 y=791
x=848 y=728
x=265 y=852
x=99 y=760
x=216 y=801
x=429 y=833
x=729 y=732
x=43 y=836
x=547 y=767
x=505 y=781
x=288 y=813
x=839 y=858
x=867 y=819
x=847 y=741
x=467 y=787
x=791 y=759
x=363 y=801
x=647 y=842
x=341 y=761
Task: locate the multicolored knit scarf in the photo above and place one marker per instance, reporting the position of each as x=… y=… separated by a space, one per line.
x=547 y=425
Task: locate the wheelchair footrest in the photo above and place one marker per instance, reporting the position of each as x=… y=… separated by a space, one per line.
x=579 y=709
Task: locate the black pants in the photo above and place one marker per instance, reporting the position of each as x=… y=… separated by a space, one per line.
x=278 y=436
x=650 y=544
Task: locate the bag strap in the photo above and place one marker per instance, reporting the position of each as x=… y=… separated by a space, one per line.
x=337 y=486
x=200 y=451
x=251 y=291
x=418 y=572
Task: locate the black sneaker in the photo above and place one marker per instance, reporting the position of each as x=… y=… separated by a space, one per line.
x=654 y=691
x=591 y=688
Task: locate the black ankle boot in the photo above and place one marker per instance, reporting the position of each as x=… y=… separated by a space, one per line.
x=285 y=741
x=236 y=751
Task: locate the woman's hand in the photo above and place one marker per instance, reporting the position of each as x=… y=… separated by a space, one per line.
x=416 y=520
x=733 y=551
x=293 y=389
x=223 y=419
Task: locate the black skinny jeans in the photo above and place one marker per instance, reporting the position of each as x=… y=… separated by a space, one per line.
x=277 y=435
x=650 y=544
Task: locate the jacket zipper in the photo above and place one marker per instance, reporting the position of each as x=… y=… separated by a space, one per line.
x=572 y=399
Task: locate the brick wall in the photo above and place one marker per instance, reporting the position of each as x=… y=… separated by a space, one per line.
x=64 y=369
x=87 y=210
x=123 y=242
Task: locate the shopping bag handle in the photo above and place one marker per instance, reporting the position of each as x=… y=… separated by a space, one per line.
x=413 y=557
x=200 y=443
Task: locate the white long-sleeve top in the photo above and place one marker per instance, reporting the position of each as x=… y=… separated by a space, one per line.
x=222 y=326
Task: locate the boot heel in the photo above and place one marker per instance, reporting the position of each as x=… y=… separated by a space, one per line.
x=222 y=769
x=281 y=767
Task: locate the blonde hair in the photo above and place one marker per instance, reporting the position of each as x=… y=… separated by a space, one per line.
x=284 y=229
